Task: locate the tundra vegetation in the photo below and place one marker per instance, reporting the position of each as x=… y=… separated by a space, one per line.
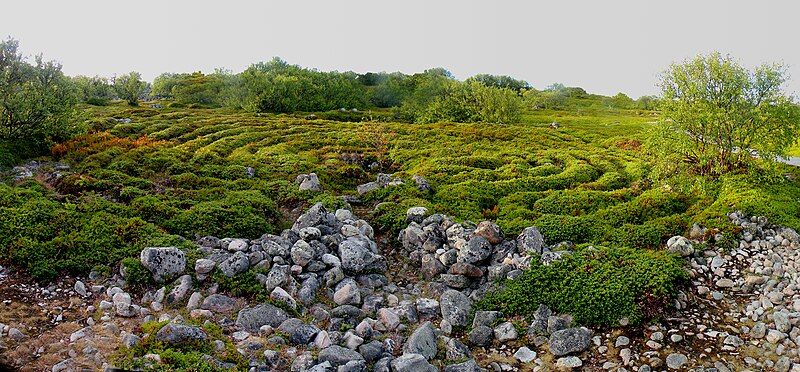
x=216 y=154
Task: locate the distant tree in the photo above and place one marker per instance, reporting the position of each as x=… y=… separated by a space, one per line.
x=371 y=79
x=198 y=88
x=277 y=86
x=392 y=90
x=501 y=81
x=36 y=100
x=472 y=101
x=647 y=102
x=421 y=89
x=163 y=84
x=717 y=114
x=130 y=87
x=554 y=97
x=619 y=101
x=94 y=90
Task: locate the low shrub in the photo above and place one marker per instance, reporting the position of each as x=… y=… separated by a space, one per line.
x=597 y=286
x=135 y=273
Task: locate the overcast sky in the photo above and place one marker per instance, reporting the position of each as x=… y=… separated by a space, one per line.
x=603 y=46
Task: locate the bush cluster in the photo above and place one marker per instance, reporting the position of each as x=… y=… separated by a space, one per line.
x=597 y=286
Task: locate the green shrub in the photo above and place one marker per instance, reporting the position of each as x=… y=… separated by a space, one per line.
x=596 y=286
x=136 y=274
x=558 y=228
x=577 y=202
x=248 y=214
x=391 y=216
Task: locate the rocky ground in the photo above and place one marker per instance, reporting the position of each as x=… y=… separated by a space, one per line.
x=340 y=299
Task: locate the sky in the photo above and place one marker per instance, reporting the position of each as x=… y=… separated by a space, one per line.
x=604 y=46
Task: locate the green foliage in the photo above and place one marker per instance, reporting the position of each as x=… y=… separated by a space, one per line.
x=130 y=87
x=245 y=285
x=199 y=89
x=472 y=102
x=184 y=357
x=235 y=214
x=38 y=101
x=392 y=216
x=596 y=286
x=135 y=273
x=94 y=90
x=276 y=86
x=46 y=237
x=501 y=81
x=716 y=112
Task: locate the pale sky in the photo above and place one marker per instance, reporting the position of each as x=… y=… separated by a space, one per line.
x=604 y=46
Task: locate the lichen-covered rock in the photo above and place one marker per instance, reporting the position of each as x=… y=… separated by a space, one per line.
x=177 y=334
x=455 y=307
x=412 y=363
x=358 y=258
x=180 y=290
x=530 y=240
x=252 y=318
x=314 y=216
x=422 y=183
x=416 y=214
x=476 y=250
x=422 y=341
x=308 y=182
x=570 y=340
x=468 y=366
x=218 y=303
x=338 y=356
x=164 y=263
x=235 y=264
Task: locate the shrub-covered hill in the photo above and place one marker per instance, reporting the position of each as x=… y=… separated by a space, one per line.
x=146 y=176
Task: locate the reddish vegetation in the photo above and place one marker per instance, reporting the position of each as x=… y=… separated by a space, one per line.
x=629 y=144
x=97 y=142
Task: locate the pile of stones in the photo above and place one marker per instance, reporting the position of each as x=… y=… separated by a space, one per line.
x=468 y=257
x=332 y=307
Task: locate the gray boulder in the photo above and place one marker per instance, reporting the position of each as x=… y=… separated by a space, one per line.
x=412 y=363
x=481 y=335
x=308 y=182
x=570 y=340
x=416 y=214
x=455 y=307
x=277 y=276
x=252 y=318
x=303 y=334
x=358 y=258
x=338 y=356
x=505 y=332
x=302 y=253
x=181 y=289
x=367 y=187
x=163 y=262
x=218 y=303
x=468 y=366
x=177 y=334
x=422 y=183
x=314 y=216
x=477 y=249
x=422 y=341
x=235 y=264
x=530 y=240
